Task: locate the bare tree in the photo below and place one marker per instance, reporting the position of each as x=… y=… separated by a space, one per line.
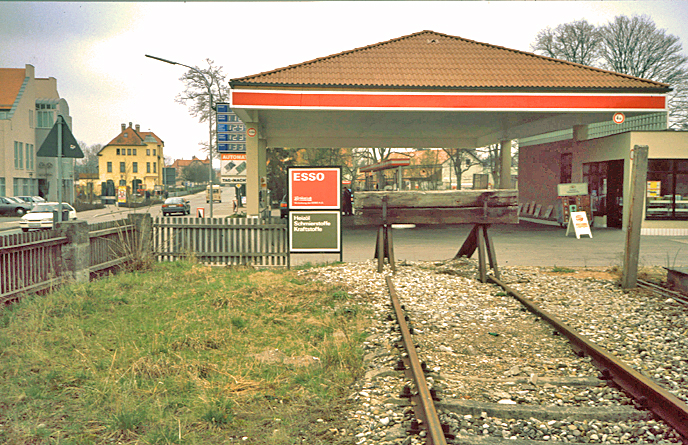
x=578 y=41
x=89 y=163
x=195 y=95
x=461 y=159
x=635 y=46
x=627 y=45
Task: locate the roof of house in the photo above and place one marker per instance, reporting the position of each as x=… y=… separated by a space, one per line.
x=129 y=136
x=431 y=60
x=11 y=80
x=182 y=163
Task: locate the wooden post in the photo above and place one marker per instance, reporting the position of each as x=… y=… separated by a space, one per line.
x=635 y=216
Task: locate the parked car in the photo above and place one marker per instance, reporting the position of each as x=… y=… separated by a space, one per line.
x=176 y=205
x=31 y=199
x=9 y=206
x=41 y=216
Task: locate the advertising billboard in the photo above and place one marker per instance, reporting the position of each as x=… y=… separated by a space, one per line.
x=315 y=188
x=233 y=168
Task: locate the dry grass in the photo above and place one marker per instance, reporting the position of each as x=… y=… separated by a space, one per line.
x=173 y=355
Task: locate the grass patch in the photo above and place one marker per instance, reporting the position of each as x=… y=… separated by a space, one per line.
x=557 y=269
x=180 y=354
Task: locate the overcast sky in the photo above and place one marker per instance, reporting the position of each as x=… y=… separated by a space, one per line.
x=96 y=51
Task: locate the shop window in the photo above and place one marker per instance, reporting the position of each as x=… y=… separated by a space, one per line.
x=595 y=174
x=667 y=189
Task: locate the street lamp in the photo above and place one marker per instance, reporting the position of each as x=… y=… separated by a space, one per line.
x=210 y=124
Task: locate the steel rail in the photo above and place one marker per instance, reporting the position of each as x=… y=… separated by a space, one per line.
x=663 y=291
x=644 y=390
x=428 y=412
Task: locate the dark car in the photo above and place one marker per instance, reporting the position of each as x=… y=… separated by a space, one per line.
x=176 y=205
x=284 y=207
x=13 y=207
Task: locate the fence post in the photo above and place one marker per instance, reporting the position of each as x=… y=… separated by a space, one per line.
x=76 y=253
x=143 y=224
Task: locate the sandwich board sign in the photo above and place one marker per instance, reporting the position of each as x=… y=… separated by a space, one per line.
x=578 y=223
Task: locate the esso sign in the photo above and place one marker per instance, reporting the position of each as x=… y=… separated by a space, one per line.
x=312 y=176
x=315 y=188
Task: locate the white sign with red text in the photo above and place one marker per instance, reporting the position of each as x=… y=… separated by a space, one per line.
x=315 y=188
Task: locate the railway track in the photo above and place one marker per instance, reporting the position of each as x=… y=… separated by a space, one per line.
x=496 y=371
x=663 y=291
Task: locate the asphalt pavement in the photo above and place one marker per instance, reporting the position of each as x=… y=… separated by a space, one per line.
x=523 y=244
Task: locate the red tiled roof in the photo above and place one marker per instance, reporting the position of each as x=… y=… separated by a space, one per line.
x=11 y=80
x=182 y=163
x=129 y=136
x=431 y=60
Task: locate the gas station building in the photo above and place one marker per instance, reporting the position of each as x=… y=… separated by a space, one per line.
x=574 y=124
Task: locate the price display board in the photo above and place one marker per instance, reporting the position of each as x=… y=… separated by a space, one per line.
x=231 y=131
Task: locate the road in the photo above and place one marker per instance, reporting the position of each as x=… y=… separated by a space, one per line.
x=10 y=224
x=524 y=244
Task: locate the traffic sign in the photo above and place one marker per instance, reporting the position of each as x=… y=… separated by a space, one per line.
x=619 y=118
x=70 y=147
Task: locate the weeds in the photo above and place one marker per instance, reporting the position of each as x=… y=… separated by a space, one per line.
x=557 y=269
x=168 y=354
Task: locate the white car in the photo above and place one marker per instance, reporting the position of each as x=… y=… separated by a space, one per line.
x=41 y=216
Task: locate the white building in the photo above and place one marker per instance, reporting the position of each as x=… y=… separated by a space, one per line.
x=28 y=109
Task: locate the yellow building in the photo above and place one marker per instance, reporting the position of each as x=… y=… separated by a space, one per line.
x=133 y=159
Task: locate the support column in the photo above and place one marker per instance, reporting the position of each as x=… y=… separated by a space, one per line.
x=505 y=165
x=263 y=170
x=253 y=159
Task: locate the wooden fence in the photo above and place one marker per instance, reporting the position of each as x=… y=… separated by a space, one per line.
x=37 y=261
x=30 y=262
x=217 y=241
x=111 y=244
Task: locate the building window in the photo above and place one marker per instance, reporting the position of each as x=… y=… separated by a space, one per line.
x=128 y=151
x=147 y=151
x=154 y=152
x=18 y=155
x=134 y=152
x=667 y=189
x=29 y=157
x=122 y=167
x=154 y=165
x=566 y=168
x=147 y=167
x=118 y=152
x=44 y=119
x=3 y=191
x=109 y=167
x=135 y=167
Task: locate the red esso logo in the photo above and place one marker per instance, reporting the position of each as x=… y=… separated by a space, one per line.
x=310 y=177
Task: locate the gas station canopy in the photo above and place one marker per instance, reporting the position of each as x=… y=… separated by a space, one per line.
x=427 y=90
x=433 y=90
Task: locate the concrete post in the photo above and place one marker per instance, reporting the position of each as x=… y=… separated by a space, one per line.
x=76 y=253
x=143 y=240
x=636 y=202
